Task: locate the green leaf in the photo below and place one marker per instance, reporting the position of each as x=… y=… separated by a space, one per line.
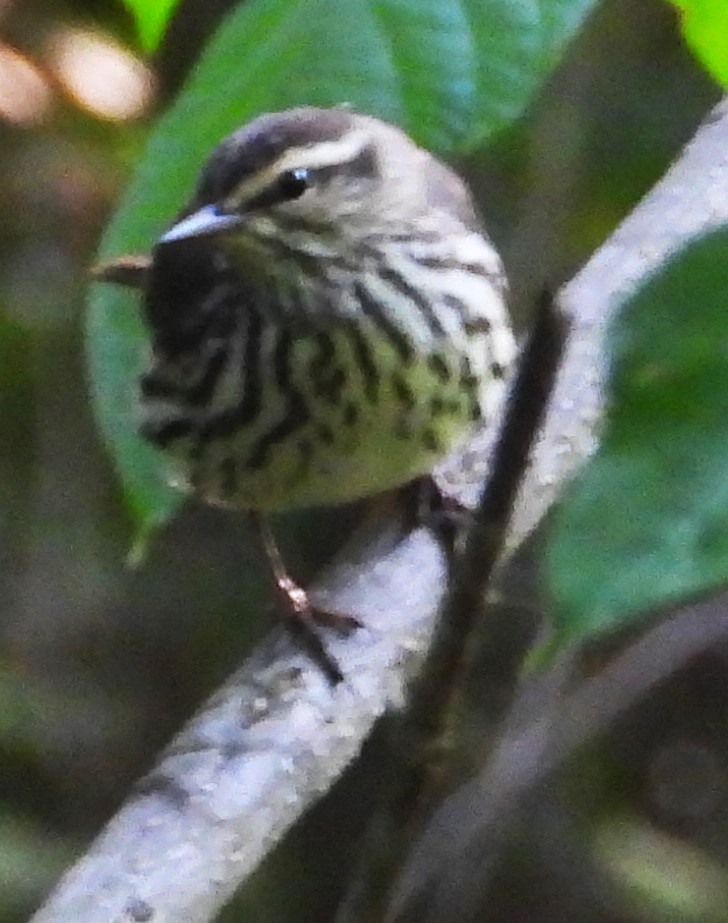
x=452 y=72
x=646 y=523
x=705 y=27
x=151 y=18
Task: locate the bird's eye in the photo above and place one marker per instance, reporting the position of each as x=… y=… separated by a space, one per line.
x=293 y=183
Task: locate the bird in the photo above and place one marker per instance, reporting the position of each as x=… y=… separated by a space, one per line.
x=328 y=320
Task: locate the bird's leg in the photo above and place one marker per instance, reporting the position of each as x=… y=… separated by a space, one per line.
x=302 y=617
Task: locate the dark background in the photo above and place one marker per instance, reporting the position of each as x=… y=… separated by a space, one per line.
x=100 y=663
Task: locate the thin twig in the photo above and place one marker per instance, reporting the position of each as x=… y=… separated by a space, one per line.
x=473 y=572
x=486 y=540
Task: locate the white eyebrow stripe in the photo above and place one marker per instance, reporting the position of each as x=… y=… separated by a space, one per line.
x=315 y=157
x=323 y=154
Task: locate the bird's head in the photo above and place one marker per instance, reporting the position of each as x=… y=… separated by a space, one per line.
x=316 y=181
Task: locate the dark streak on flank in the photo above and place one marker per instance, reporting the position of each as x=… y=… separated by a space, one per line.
x=467 y=379
x=296 y=416
x=457 y=306
x=446 y=264
x=332 y=386
x=438 y=364
x=201 y=392
x=471 y=387
x=164 y=432
x=477 y=325
x=327 y=381
x=470 y=383
x=430 y=440
x=297 y=412
x=365 y=362
x=376 y=241
x=398 y=282
x=321 y=362
x=281 y=362
x=155 y=384
x=377 y=314
x=402 y=391
x=248 y=408
x=437 y=405
x=351 y=413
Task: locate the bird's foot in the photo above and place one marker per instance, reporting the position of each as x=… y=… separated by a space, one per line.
x=303 y=619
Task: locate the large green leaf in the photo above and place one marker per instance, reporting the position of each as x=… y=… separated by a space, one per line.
x=450 y=71
x=646 y=523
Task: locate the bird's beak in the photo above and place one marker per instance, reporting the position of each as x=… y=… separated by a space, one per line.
x=206 y=222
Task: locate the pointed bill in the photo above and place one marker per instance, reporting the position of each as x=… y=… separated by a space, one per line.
x=205 y=222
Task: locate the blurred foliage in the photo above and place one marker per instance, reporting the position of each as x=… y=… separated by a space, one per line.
x=705 y=27
x=151 y=18
x=646 y=524
x=99 y=663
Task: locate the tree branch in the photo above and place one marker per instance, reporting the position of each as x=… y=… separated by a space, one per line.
x=276 y=735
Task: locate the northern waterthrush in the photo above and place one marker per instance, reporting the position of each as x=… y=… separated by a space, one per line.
x=327 y=317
